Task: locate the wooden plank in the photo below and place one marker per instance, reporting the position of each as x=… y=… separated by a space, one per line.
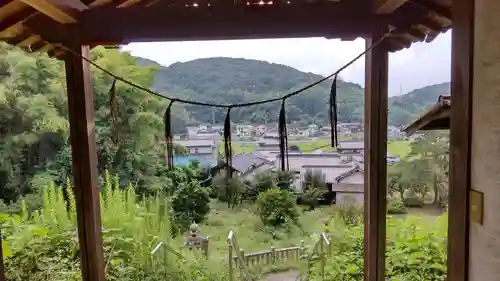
x=85 y=175
x=462 y=48
x=376 y=110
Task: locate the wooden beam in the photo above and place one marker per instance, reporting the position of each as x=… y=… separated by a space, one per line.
x=18 y=17
x=385 y=7
x=434 y=8
x=85 y=175
x=161 y=23
x=50 y=9
x=462 y=62
x=375 y=187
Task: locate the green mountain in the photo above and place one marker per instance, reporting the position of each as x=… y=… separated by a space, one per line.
x=233 y=80
x=403 y=109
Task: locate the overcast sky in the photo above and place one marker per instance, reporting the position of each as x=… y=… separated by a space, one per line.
x=422 y=64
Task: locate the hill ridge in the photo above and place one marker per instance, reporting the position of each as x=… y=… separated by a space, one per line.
x=228 y=80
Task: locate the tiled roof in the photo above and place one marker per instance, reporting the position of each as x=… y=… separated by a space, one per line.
x=196 y=143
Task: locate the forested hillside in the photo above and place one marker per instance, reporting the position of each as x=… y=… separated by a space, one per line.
x=230 y=80
x=34 y=128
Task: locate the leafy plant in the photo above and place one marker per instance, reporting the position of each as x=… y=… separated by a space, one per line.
x=190 y=203
x=277 y=207
x=416 y=250
x=395 y=206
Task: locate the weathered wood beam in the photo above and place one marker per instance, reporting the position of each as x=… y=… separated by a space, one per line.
x=160 y=23
x=85 y=175
x=435 y=8
x=385 y=7
x=54 y=9
x=18 y=17
x=462 y=64
x=375 y=187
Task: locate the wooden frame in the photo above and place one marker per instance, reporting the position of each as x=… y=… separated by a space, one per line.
x=416 y=20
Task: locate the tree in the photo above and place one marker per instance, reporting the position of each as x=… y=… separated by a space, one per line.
x=276 y=207
x=313 y=186
x=190 y=203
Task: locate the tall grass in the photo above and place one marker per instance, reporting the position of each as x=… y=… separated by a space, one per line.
x=43 y=245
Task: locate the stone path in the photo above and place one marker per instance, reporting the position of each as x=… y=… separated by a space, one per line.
x=282 y=276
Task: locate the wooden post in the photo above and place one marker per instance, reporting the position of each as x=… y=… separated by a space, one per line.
x=2 y=269
x=462 y=48
x=85 y=175
x=230 y=259
x=273 y=255
x=376 y=96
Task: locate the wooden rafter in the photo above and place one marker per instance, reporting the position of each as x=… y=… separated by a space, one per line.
x=384 y=7
x=435 y=8
x=55 y=9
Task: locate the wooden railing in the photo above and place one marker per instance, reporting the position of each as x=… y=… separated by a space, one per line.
x=321 y=250
x=245 y=261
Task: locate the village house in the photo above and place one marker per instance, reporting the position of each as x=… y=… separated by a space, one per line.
x=205 y=151
x=343 y=181
x=244 y=130
x=351 y=146
x=246 y=166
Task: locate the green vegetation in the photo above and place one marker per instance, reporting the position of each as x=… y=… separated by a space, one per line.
x=416 y=250
x=145 y=203
x=276 y=207
x=423 y=172
x=399 y=148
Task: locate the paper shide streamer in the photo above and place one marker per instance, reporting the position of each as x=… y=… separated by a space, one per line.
x=228 y=149
x=113 y=111
x=283 y=137
x=169 y=138
x=333 y=113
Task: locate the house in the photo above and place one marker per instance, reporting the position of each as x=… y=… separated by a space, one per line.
x=246 y=166
x=297 y=160
x=260 y=130
x=203 y=150
x=351 y=146
x=345 y=181
x=244 y=130
x=313 y=130
x=393 y=133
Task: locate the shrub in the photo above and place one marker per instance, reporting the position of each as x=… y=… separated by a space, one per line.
x=416 y=250
x=277 y=207
x=190 y=203
x=229 y=190
x=261 y=183
x=413 y=202
x=395 y=206
x=350 y=211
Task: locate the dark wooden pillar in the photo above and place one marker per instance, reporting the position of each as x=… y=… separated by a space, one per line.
x=85 y=176
x=462 y=48
x=376 y=96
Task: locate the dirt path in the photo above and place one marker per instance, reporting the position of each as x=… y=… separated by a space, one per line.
x=282 y=276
